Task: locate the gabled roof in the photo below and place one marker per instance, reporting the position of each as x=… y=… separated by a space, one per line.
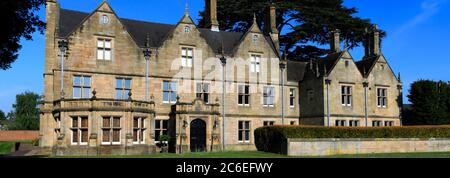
x=157 y=32
x=296 y=70
x=365 y=66
x=327 y=63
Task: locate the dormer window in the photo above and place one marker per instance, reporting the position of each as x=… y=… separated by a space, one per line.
x=187 y=29
x=255 y=38
x=105 y=19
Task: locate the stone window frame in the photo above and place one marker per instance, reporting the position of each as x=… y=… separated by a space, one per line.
x=123 y=89
x=141 y=130
x=340 y=123
x=111 y=129
x=187 y=61
x=354 y=123
x=255 y=63
x=104 y=17
x=82 y=86
x=292 y=96
x=268 y=123
x=80 y=129
x=383 y=97
x=244 y=131
x=170 y=91
x=346 y=95
x=243 y=95
x=255 y=38
x=267 y=96
x=203 y=94
x=161 y=128
x=389 y=123
x=103 y=48
x=187 y=29
x=377 y=123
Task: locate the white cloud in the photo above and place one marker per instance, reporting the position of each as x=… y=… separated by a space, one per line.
x=429 y=9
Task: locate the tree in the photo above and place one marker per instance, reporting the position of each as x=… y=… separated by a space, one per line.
x=307 y=23
x=26 y=112
x=430 y=103
x=2 y=116
x=20 y=20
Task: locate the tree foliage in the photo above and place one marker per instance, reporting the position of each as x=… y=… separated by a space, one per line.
x=2 y=116
x=25 y=115
x=19 y=20
x=305 y=24
x=430 y=103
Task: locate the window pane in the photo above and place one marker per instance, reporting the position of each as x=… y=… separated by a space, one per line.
x=126 y=94
x=84 y=136
x=116 y=135
x=116 y=122
x=241 y=99
x=100 y=43
x=108 y=44
x=157 y=135
x=105 y=135
x=240 y=135
x=119 y=94
x=247 y=125
x=166 y=96
x=199 y=88
x=119 y=83
x=135 y=135
x=190 y=52
x=165 y=124
x=86 y=81
x=173 y=97
x=157 y=124
x=206 y=88
x=183 y=52
x=106 y=122
x=136 y=123
x=100 y=54
x=76 y=92
x=107 y=54
x=247 y=135
x=246 y=99
x=76 y=81
x=84 y=122
x=74 y=122
x=75 y=136
x=127 y=84
x=86 y=92
x=241 y=125
x=142 y=123
x=173 y=86
x=165 y=86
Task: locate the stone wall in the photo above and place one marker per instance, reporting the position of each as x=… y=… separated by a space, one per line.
x=327 y=147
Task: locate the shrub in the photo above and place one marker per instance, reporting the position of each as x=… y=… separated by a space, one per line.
x=273 y=139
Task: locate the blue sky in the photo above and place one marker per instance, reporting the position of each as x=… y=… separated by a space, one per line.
x=417 y=44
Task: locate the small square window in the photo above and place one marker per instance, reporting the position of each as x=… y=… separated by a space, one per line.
x=105 y=19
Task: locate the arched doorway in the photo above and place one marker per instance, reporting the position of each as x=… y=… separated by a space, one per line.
x=198 y=135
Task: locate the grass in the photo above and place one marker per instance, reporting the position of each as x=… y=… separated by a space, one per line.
x=256 y=154
x=5 y=147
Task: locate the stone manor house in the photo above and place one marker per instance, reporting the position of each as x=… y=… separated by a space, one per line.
x=122 y=86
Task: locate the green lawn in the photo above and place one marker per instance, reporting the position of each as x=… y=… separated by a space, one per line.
x=255 y=154
x=5 y=147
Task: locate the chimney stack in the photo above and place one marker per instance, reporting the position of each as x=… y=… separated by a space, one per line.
x=211 y=15
x=375 y=44
x=335 y=43
x=271 y=25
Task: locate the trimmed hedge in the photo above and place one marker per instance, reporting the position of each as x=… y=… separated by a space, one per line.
x=273 y=138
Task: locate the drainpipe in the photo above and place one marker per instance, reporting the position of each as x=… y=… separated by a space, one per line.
x=366 y=109
x=63 y=46
x=223 y=60
x=328 y=82
x=282 y=67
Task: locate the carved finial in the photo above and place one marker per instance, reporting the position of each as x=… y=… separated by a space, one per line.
x=399 y=77
x=178 y=98
x=217 y=99
x=186 y=12
x=152 y=97
x=254 y=18
x=94 y=94
x=129 y=95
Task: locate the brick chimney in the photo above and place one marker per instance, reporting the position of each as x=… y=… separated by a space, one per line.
x=271 y=25
x=211 y=15
x=335 y=43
